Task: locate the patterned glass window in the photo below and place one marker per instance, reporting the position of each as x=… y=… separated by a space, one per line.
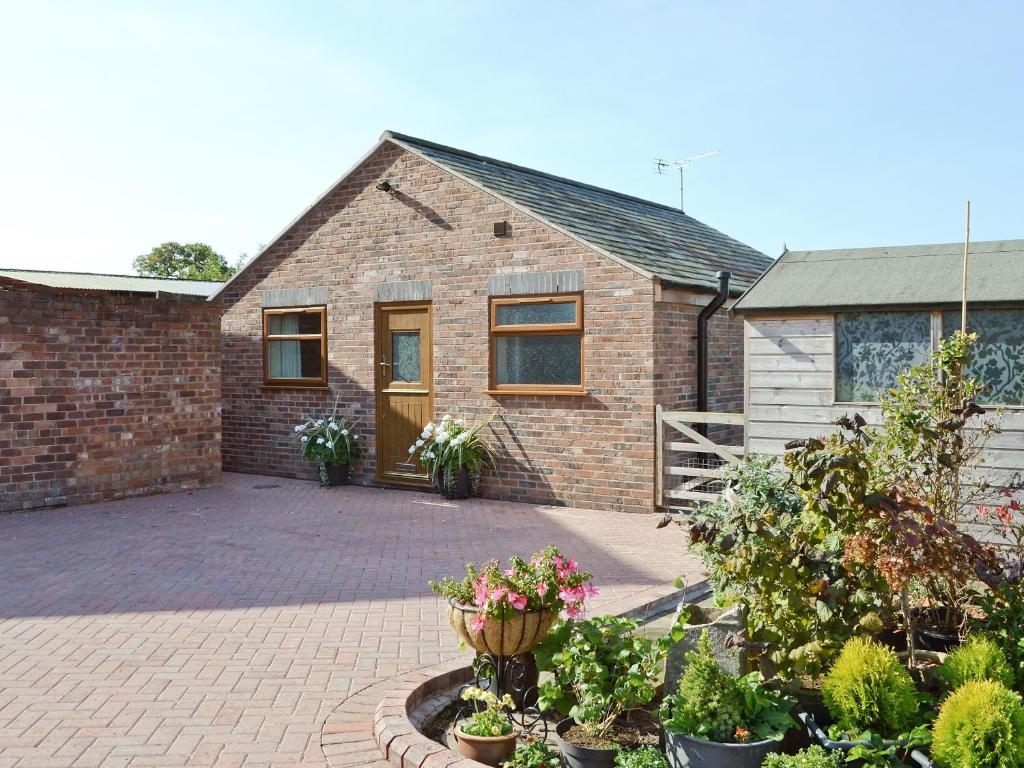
x=999 y=354
x=872 y=347
x=537 y=344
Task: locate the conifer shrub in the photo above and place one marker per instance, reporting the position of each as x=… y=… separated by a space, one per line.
x=977 y=659
x=868 y=689
x=980 y=725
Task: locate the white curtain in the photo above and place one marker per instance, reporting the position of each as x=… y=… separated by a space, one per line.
x=285 y=356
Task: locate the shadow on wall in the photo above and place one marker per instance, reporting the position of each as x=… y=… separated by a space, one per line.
x=262 y=541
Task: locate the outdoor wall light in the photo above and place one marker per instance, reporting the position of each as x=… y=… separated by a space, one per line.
x=501 y=229
x=384 y=186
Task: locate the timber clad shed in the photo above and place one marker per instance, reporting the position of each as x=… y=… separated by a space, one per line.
x=826 y=331
x=430 y=280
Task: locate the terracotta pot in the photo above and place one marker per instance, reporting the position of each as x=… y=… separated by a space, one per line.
x=517 y=634
x=489 y=750
x=338 y=474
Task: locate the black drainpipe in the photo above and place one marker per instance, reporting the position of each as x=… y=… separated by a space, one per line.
x=702 y=338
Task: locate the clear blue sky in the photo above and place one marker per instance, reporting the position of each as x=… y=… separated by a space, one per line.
x=840 y=124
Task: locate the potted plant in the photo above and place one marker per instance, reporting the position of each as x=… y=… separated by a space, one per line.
x=488 y=735
x=507 y=612
x=601 y=670
x=454 y=454
x=872 y=702
x=536 y=754
x=719 y=719
x=644 y=757
x=813 y=756
x=331 y=444
x=981 y=725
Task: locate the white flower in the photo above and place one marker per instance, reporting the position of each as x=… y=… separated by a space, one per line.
x=425 y=435
x=419 y=443
x=460 y=439
x=412 y=449
x=344 y=431
x=441 y=437
x=304 y=438
x=429 y=427
x=320 y=422
x=332 y=425
x=298 y=428
x=429 y=455
x=461 y=422
x=445 y=419
x=320 y=440
x=355 y=437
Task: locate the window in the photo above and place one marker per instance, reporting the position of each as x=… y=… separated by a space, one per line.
x=999 y=353
x=872 y=347
x=295 y=347
x=537 y=344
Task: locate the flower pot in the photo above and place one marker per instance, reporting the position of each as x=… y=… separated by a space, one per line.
x=461 y=486
x=489 y=750
x=685 y=751
x=575 y=756
x=929 y=629
x=511 y=636
x=338 y=474
x=926 y=674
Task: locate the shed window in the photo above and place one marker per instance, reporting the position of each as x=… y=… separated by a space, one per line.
x=537 y=344
x=998 y=359
x=295 y=346
x=872 y=347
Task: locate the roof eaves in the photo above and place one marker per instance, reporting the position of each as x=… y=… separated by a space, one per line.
x=341 y=180
x=736 y=308
x=389 y=136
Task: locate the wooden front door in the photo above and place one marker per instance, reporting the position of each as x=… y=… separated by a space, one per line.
x=405 y=388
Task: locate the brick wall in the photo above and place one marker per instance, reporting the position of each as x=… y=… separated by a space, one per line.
x=104 y=396
x=593 y=451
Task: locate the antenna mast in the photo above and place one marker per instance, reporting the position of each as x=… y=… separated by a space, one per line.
x=661 y=165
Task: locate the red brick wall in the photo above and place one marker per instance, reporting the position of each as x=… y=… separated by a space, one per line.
x=104 y=396
x=593 y=451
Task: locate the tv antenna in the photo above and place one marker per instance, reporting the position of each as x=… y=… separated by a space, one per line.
x=660 y=166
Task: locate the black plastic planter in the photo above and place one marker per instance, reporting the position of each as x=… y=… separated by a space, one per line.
x=338 y=475
x=574 y=756
x=685 y=751
x=460 y=488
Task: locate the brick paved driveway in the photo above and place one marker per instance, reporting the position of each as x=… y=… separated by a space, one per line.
x=221 y=627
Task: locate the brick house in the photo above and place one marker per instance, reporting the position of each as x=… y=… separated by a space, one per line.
x=429 y=280
x=109 y=387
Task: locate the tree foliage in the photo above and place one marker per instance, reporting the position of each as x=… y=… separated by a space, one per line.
x=188 y=261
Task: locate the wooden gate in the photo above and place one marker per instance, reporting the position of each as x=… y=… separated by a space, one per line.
x=693 y=449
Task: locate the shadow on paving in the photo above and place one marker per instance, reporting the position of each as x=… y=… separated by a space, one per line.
x=262 y=541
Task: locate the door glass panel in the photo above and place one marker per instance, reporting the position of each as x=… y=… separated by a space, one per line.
x=536 y=314
x=537 y=359
x=294 y=359
x=405 y=355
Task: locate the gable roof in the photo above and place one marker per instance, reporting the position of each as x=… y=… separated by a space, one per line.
x=659 y=240
x=91 y=281
x=888 y=277
x=653 y=239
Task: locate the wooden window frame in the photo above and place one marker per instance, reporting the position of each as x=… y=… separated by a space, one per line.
x=536 y=329
x=322 y=337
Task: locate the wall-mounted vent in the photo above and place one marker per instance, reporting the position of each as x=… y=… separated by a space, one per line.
x=502 y=229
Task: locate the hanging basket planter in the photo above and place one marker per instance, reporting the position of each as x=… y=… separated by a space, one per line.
x=514 y=635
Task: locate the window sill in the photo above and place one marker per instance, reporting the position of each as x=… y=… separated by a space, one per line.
x=303 y=387
x=539 y=392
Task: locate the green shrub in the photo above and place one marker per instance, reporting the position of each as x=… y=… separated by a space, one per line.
x=812 y=757
x=981 y=725
x=977 y=659
x=718 y=707
x=868 y=689
x=645 y=757
x=536 y=754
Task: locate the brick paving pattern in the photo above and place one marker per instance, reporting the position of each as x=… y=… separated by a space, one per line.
x=222 y=626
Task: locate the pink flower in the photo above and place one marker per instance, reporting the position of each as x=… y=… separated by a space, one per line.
x=542 y=588
x=481 y=593
x=572 y=611
x=518 y=601
x=478 y=622
x=498 y=593
x=590 y=589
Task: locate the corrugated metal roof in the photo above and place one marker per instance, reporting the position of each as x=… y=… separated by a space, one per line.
x=89 y=281
x=893 y=276
x=656 y=238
